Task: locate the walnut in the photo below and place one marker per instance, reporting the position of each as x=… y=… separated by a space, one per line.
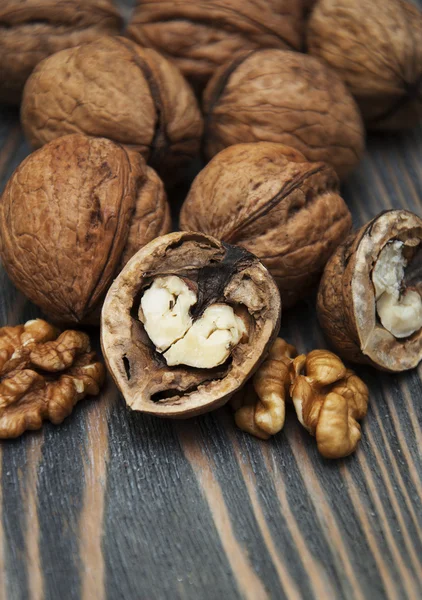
x=113 y=88
x=329 y=400
x=43 y=375
x=71 y=216
x=201 y=36
x=186 y=322
x=375 y=47
x=31 y=30
x=262 y=414
x=280 y=96
x=369 y=301
x=268 y=199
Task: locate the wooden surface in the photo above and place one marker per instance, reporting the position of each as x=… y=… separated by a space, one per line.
x=114 y=504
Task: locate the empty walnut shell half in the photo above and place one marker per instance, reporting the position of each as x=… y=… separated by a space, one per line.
x=375 y=47
x=71 y=216
x=113 y=88
x=186 y=322
x=268 y=199
x=31 y=30
x=370 y=297
x=201 y=36
x=287 y=97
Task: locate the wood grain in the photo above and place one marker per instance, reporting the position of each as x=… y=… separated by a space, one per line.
x=113 y=504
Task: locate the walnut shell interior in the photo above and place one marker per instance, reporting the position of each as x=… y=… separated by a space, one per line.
x=219 y=273
x=346 y=305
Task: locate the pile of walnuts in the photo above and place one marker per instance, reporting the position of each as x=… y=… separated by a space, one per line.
x=275 y=96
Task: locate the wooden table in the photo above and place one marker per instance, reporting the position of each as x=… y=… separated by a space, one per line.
x=114 y=504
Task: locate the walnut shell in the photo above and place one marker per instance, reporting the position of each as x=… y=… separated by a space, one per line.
x=221 y=273
x=71 y=215
x=113 y=88
x=286 y=97
x=201 y=36
x=268 y=199
x=346 y=299
x=31 y=30
x=375 y=47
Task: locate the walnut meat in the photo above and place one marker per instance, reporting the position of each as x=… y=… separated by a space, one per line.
x=286 y=97
x=268 y=199
x=201 y=36
x=113 y=88
x=31 y=30
x=375 y=47
x=329 y=401
x=71 y=216
x=43 y=375
x=370 y=296
x=186 y=322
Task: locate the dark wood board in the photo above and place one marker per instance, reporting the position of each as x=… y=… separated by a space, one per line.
x=114 y=504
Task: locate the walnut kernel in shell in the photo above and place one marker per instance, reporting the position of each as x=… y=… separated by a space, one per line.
x=71 y=216
x=370 y=296
x=286 y=97
x=214 y=274
x=268 y=199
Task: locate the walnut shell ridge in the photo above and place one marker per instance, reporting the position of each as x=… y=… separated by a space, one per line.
x=346 y=299
x=222 y=273
x=285 y=97
x=71 y=215
x=113 y=88
x=268 y=199
x=31 y=30
x=375 y=47
x=201 y=36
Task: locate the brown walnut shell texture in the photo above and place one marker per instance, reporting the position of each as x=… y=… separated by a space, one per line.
x=71 y=215
x=346 y=301
x=268 y=199
x=202 y=35
x=113 y=88
x=375 y=47
x=31 y=30
x=221 y=273
x=284 y=97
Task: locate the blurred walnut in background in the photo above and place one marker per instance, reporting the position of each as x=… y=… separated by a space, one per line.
x=268 y=199
x=375 y=46
x=113 y=88
x=201 y=36
x=286 y=97
x=31 y=30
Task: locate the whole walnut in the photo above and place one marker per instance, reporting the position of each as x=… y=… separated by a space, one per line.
x=71 y=216
x=376 y=48
x=31 y=30
x=370 y=296
x=268 y=199
x=201 y=36
x=285 y=97
x=113 y=88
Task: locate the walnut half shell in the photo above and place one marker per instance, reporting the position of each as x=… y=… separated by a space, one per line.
x=370 y=296
x=215 y=275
